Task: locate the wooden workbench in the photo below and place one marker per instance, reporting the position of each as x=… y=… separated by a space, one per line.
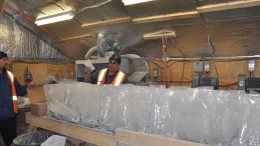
x=122 y=136
x=73 y=131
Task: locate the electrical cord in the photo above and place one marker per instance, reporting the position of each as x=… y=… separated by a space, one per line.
x=177 y=47
x=164 y=49
x=94 y=6
x=231 y=84
x=212 y=53
x=183 y=66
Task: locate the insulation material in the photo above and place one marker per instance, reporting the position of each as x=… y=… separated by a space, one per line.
x=201 y=115
x=18 y=42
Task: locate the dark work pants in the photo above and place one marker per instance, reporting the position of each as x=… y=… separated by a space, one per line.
x=8 y=130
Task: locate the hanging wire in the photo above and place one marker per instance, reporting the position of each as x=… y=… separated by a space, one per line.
x=183 y=65
x=164 y=49
x=93 y=6
x=211 y=47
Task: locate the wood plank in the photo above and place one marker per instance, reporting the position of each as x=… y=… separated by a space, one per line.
x=2 y=7
x=142 y=139
x=107 y=22
x=86 y=36
x=166 y=17
x=122 y=136
x=228 y=6
x=202 y=9
x=80 y=133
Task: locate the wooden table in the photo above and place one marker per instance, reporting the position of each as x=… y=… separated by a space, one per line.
x=70 y=130
x=122 y=136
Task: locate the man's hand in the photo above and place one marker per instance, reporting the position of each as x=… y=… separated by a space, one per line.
x=30 y=84
x=87 y=74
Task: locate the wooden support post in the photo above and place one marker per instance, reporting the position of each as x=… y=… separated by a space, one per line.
x=2 y=7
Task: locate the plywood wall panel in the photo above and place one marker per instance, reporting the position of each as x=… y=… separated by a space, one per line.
x=41 y=71
x=228 y=72
x=65 y=71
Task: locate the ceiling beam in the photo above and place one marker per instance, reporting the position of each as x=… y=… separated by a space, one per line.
x=77 y=37
x=2 y=7
x=180 y=15
x=202 y=9
x=228 y=6
x=107 y=22
x=166 y=17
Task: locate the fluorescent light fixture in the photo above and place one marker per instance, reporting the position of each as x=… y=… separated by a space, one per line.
x=55 y=18
x=160 y=34
x=132 y=2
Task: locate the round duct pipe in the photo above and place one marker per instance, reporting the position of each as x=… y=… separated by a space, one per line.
x=90 y=52
x=94 y=49
x=130 y=56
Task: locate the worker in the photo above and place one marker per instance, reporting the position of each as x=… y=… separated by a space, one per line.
x=110 y=75
x=10 y=88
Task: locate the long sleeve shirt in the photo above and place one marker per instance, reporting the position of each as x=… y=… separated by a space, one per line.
x=6 y=101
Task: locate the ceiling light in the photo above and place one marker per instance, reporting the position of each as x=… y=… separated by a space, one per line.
x=132 y=2
x=55 y=18
x=160 y=34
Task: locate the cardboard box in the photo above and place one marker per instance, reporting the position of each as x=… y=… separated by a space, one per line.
x=38 y=100
x=38 y=109
x=36 y=94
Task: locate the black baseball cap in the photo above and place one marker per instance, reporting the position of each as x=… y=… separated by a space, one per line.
x=116 y=57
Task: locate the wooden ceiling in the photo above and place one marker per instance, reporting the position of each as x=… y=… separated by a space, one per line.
x=232 y=26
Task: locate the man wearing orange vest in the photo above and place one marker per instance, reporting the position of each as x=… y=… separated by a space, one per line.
x=10 y=88
x=111 y=75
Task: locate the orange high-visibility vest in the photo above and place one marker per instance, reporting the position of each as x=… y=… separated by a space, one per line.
x=118 y=80
x=15 y=102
